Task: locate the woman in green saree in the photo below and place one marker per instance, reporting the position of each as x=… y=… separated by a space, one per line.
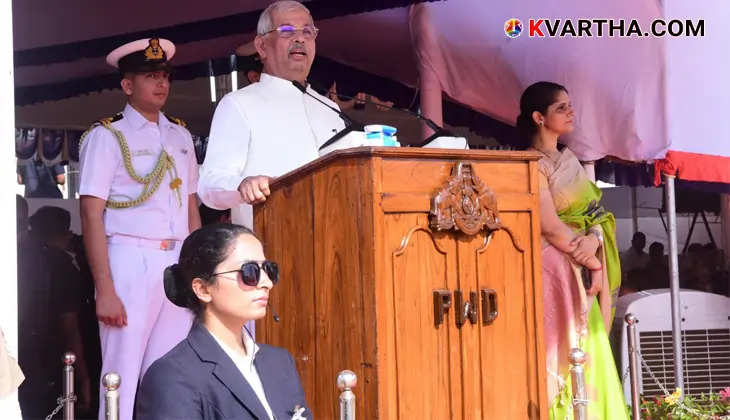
x=581 y=272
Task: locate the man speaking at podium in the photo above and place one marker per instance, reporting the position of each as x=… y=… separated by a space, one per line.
x=271 y=127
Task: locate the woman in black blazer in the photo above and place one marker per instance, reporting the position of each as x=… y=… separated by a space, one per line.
x=218 y=371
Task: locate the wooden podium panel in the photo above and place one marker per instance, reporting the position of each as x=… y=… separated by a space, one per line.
x=360 y=260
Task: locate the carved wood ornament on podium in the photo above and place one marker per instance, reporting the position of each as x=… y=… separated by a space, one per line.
x=466 y=204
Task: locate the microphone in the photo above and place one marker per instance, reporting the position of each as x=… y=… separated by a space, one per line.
x=350 y=124
x=273 y=311
x=348 y=121
x=438 y=130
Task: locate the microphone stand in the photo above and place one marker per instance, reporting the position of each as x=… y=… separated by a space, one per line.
x=438 y=130
x=340 y=134
x=350 y=124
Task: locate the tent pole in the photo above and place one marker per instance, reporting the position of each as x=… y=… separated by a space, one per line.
x=431 y=99
x=211 y=76
x=634 y=212
x=674 y=282
x=725 y=223
x=234 y=73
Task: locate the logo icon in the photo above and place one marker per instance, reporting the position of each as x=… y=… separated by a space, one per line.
x=513 y=27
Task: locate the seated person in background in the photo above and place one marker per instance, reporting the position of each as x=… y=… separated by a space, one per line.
x=716 y=261
x=656 y=273
x=41 y=180
x=721 y=282
x=255 y=67
x=632 y=282
x=687 y=261
x=694 y=272
x=208 y=216
x=634 y=257
x=218 y=371
x=49 y=305
x=701 y=277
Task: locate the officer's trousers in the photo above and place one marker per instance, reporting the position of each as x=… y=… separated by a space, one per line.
x=154 y=324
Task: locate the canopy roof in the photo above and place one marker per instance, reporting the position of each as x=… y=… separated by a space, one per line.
x=635 y=97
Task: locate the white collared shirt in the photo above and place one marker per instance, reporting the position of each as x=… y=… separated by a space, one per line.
x=267 y=128
x=244 y=363
x=103 y=175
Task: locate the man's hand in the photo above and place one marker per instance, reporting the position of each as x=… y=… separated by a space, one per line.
x=255 y=189
x=343 y=105
x=359 y=101
x=110 y=310
x=381 y=105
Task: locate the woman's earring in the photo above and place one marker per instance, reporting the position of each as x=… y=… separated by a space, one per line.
x=541 y=122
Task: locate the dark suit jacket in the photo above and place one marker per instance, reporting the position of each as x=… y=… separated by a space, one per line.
x=197 y=380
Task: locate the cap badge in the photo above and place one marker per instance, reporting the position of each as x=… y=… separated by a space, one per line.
x=154 y=51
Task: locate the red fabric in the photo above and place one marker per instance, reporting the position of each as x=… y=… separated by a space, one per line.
x=693 y=167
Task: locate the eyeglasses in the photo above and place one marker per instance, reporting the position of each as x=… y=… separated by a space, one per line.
x=287 y=31
x=251 y=272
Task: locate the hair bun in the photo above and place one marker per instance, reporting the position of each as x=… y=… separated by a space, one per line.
x=171 y=280
x=525 y=129
x=523 y=122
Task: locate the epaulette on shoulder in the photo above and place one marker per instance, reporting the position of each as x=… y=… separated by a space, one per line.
x=102 y=122
x=177 y=121
x=106 y=121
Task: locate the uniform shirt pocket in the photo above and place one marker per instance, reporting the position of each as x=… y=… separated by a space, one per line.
x=144 y=160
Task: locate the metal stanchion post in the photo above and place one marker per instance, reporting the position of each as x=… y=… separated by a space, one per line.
x=68 y=386
x=346 y=380
x=633 y=364
x=577 y=374
x=674 y=282
x=111 y=382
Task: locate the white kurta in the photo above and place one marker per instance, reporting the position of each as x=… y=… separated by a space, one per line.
x=267 y=128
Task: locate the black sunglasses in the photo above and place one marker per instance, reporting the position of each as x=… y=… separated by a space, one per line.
x=251 y=272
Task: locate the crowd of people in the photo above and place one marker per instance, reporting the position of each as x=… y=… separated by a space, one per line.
x=56 y=310
x=701 y=268
x=163 y=290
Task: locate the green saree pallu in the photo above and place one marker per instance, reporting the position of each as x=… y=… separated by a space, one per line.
x=586 y=213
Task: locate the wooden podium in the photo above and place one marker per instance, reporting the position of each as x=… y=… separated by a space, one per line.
x=437 y=323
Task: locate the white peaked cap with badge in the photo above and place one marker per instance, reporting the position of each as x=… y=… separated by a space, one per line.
x=147 y=54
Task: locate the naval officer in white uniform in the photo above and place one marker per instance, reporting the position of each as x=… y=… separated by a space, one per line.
x=138 y=183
